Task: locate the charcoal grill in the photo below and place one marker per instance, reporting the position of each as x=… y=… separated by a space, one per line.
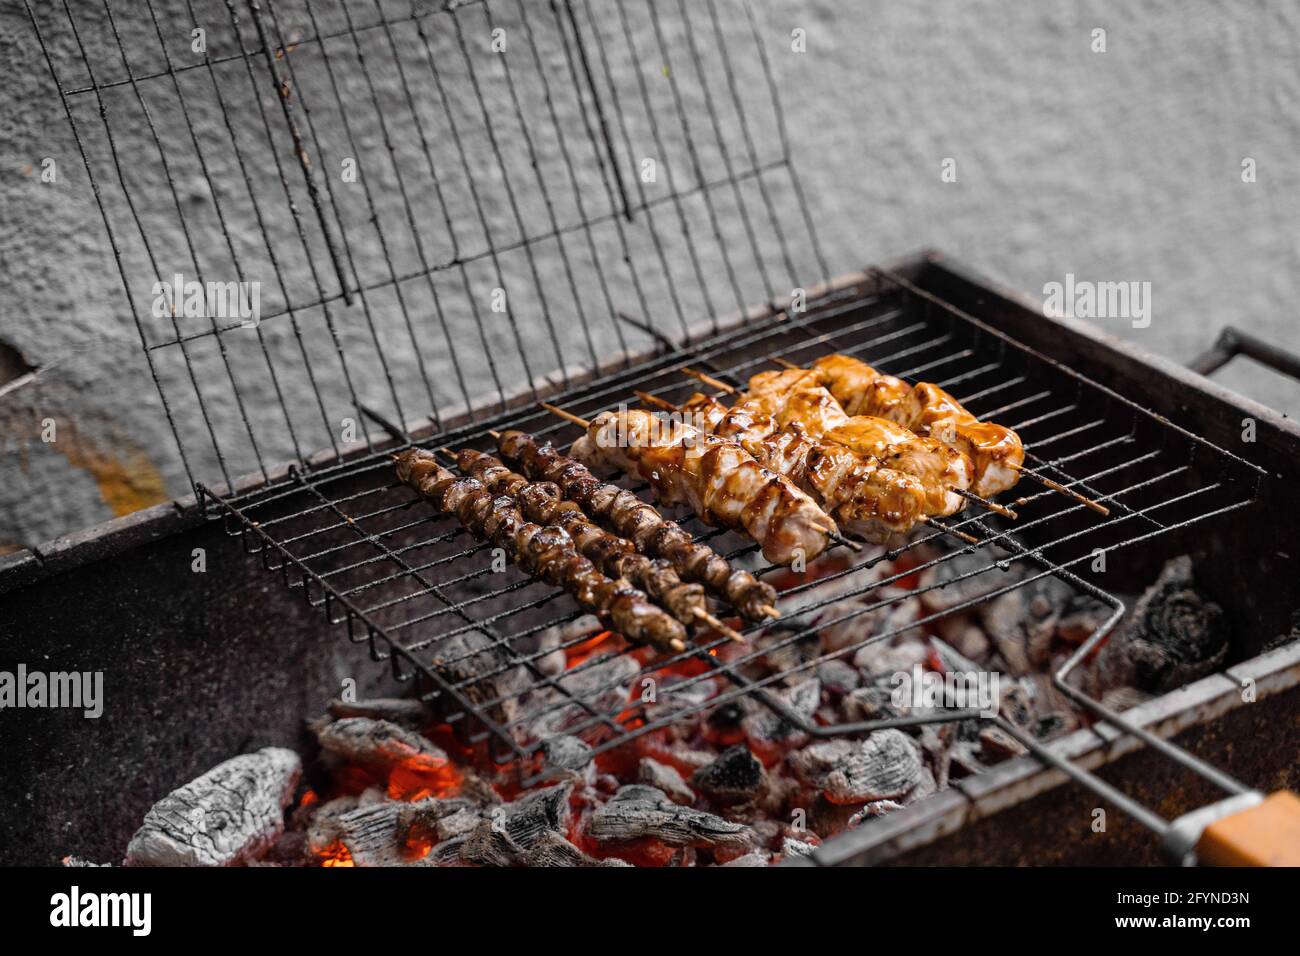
x=606 y=292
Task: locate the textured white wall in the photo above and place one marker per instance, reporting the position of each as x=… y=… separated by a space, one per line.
x=1123 y=165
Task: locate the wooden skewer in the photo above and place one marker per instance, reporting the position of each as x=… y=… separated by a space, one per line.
x=655 y=400
x=567 y=416
x=709 y=380
x=770 y=611
x=785 y=363
x=970 y=539
x=494 y=433
x=985 y=503
x=1068 y=492
x=832 y=533
x=720 y=626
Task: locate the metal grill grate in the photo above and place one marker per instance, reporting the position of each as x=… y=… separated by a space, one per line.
x=485 y=178
x=410 y=582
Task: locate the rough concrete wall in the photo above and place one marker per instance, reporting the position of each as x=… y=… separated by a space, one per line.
x=1122 y=165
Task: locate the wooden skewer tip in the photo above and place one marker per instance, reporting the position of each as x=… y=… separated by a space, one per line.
x=770 y=611
x=720 y=626
x=566 y=415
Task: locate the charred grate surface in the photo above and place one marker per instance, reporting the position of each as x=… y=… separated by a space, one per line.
x=491 y=648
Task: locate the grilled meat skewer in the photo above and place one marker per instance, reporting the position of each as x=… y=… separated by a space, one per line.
x=716 y=477
x=546 y=551
x=995 y=451
x=627 y=515
x=942 y=472
x=541 y=501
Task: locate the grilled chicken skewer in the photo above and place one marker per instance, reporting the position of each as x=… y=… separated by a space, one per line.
x=541 y=501
x=547 y=552
x=716 y=477
x=627 y=515
x=944 y=472
x=995 y=451
x=873 y=501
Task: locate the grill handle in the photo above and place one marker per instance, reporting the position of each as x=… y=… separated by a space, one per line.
x=1233 y=342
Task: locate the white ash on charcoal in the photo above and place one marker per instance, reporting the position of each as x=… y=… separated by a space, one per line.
x=791 y=848
x=638 y=812
x=487 y=674
x=767 y=729
x=756 y=858
x=996 y=745
x=884 y=765
x=393 y=833
x=378 y=744
x=551 y=849
x=1025 y=625
x=675 y=695
x=876 y=808
x=838 y=678
x=663 y=777
x=229 y=815
x=1174 y=635
x=894 y=618
x=896 y=655
x=735 y=777
x=963 y=578
x=552 y=642
x=569 y=755
x=411 y=713
x=597 y=685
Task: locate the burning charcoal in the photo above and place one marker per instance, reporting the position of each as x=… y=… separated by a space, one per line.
x=602 y=686
x=783 y=652
x=379 y=744
x=876 y=808
x=892 y=618
x=791 y=848
x=1023 y=624
x=325 y=827
x=459 y=824
x=1175 y=635
x=663 y=777
x=964 y=636
x=944 y=586
x=885 y=658
x=551 y=643
x=755 y=858
x=637 y=812
x=393 y=833
x=936 y=745
x=677 y=696
x=405 y=712
x=554 y=850
x=566 y=752
x=872 y=702
x=963 y=760
x=488 y=845
x=487 y=673
x=838 y=677
x=231 y=814
x=1123 y=698
x=78 y=862
x=1281 y=640
x=885 y=765
x=996 y=745
x=736 y=776
x=535 y=813
x=768 y=732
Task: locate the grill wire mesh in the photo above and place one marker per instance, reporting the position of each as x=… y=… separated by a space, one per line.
x=446 y=205
x=517 y=178
x=411 y=583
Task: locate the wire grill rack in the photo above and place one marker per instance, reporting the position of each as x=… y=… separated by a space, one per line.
x=451 y=209
x=444 y=205
x=411 y=584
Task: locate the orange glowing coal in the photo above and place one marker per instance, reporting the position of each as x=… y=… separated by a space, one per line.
x=336 y=854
